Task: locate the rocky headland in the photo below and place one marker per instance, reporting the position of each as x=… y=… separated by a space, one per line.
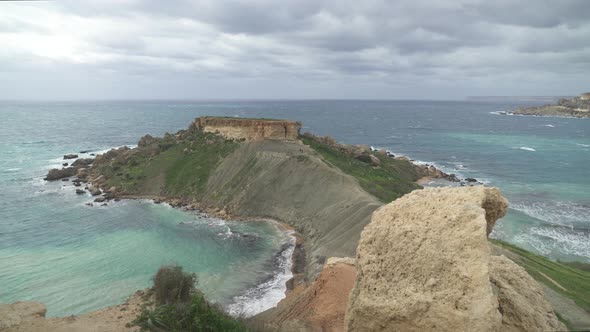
x=577 y=107
x=411 y=259
x=258 y=168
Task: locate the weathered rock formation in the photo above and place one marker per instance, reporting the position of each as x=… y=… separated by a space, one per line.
x=79 y=164
x=249 y=129
x=424 y=264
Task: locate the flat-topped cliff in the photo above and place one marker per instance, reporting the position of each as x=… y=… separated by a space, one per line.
x=249 y=129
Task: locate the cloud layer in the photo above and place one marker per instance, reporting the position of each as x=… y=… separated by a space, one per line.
x=293 y=49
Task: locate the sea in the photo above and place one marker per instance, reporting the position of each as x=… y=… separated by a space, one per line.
x=77 y=258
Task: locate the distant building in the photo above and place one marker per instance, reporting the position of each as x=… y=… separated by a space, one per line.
x=585 y=96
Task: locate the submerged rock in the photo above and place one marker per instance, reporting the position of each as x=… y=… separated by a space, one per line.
x=70 y=156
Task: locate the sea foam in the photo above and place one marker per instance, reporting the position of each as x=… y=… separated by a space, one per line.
x=526 y=148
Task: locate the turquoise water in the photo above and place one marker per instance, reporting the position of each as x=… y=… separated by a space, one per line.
x=75 y=258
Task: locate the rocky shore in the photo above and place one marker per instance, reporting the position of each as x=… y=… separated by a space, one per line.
x=577 y=107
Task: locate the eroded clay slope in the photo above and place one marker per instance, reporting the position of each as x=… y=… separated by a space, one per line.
x=288 y=181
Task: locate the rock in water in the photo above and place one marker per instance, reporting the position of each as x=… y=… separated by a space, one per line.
x=522 y=301
x=422 y=263
x=70 y=156
x=56 y=173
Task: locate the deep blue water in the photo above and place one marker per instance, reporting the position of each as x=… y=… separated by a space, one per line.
x=55 y=249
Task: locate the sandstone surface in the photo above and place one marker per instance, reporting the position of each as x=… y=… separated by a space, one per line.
x=424 y=264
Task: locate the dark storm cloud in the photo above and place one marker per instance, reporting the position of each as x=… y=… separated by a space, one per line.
x=472 y=42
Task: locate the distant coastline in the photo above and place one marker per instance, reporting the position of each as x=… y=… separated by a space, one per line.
x=576 y=107
x=547 y=99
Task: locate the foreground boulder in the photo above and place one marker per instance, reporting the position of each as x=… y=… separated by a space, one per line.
x=424 y=264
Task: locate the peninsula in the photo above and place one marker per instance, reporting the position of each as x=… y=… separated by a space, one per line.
x=375 y=252
x=577 y=107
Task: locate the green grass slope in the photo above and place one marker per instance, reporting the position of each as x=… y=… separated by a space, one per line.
x=391 y=180
x=176 y=165
x=563 y=278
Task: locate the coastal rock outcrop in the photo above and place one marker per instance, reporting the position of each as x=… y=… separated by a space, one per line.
x=424 y=264
x=249 y=129
x=56 y=173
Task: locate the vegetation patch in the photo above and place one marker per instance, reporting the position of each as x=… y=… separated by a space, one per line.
x=175 y=165
x=565 y=279
x=180 y=306
x=391 y=179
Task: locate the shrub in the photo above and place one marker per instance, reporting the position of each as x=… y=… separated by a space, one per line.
x=181 y=307
x=172 y=285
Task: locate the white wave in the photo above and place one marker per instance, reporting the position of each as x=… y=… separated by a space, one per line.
x=550 y=126
x=459 y=169
x=558 y=213
x=268 y=294
x=547 y=240
x=526 y=148
x=583 y=145
x=501 y=113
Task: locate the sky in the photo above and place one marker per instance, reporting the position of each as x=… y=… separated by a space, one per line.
x=305 y=49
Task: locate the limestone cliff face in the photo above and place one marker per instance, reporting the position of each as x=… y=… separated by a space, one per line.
x=249 y=129
x=424 y=264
